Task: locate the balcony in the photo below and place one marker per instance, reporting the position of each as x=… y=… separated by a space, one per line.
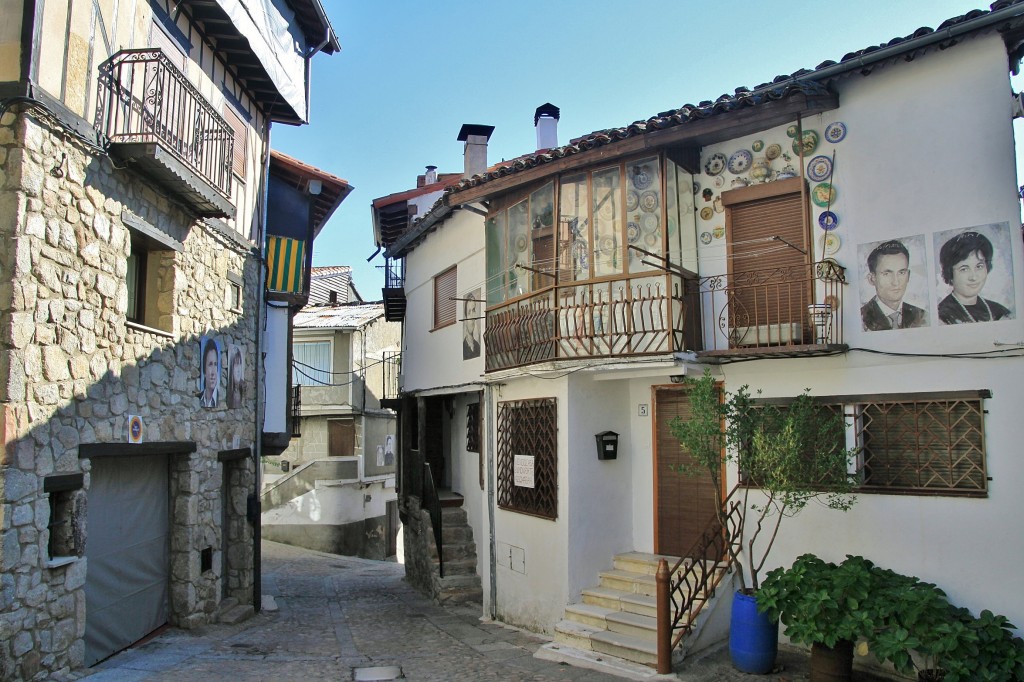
x=156 y=119
x=764 y=313
x=772 y=312
x=394 y=289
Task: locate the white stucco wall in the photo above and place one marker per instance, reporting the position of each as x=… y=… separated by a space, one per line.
x=433 y=359
x=333 y=503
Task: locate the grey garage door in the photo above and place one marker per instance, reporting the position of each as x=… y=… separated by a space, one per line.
x=127 y=550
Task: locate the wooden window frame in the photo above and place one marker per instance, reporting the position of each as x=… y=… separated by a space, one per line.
x=445 y=306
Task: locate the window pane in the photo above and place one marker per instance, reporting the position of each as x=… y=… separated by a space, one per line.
x=542 y=208
x=607 y=223
x=496 y=259
x=518 y=249
x=644 y=209
x=132 y=278
x=445 y=288
x=311 y=363
x=682 y=237
x=574 y=229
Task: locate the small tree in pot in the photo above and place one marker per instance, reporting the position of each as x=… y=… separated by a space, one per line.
x=791 y=453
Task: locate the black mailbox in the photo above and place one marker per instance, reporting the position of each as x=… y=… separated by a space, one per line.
x=607 y=445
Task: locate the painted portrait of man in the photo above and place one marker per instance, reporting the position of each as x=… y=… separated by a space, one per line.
x=209 y=371
x=471 y=314
x=891 y=296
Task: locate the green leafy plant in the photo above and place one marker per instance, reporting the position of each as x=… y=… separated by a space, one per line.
x=794 y=453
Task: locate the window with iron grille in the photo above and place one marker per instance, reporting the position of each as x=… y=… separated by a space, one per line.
x=923 y=446
x=527 y=430
x=444 y=298
x=473 y=427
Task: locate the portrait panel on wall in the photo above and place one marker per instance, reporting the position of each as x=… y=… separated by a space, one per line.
x=236 y=376
x=974 y=274
x=389 y=450
x=894 y=291
x=209 y=371
x=472 y=311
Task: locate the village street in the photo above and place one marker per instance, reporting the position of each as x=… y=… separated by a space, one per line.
x=342 y=618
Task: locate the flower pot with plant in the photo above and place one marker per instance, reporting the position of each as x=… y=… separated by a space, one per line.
x=788 y=454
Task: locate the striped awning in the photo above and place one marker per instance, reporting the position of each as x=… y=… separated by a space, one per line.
x=285 y=260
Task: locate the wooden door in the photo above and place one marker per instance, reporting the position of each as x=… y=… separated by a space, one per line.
x=684 y=504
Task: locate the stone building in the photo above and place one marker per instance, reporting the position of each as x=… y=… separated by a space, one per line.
x=133 y=146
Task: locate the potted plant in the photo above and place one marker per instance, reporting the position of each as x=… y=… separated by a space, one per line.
x=790 y=454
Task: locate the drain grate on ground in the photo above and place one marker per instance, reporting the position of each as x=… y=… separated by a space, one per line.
x=380 y=673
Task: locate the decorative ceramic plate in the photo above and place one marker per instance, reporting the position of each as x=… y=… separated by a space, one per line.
x=651 y=240
x=757 y=145
x=740 y=161
x=719 y=205
x=718 y=232
x=606 y=244
x=606 y=211
x=810 y=143
x=633 y=200
x=521 y=242
x=705 y=237
x=719 y=181
x=641 y=178
x=792 y=130
x=823 y=194
x=828 y=220
x=829 y=243
x=835 y=132
x=632 y=232
x=696 y=188
x=773 y=151
x=715 y=165
x=706 y=213
x=649 y=201
x=649 y=222
x=819 y=169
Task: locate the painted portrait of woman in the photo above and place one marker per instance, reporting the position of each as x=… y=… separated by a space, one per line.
x=976 y=275
x=236 y=376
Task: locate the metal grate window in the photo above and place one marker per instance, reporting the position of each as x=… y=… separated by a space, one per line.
x=528 y=439
x=473 y=427
x=445 y=286
x=926 y=446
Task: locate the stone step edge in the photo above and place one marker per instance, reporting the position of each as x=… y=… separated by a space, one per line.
x=598 y=662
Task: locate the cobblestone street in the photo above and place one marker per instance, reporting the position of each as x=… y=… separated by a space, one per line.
x=341 y=618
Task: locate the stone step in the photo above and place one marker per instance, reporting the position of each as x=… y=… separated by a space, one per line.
x=642 y=562
x=460 y=567
x=451 y=582
x=575 y=634
x=455 y=534
x=455 y=550
x=236 y=614
x=625 y=646
x=635 y=625
x=455 y=515
x=628 y=581
x=589 y=614
x=461 y=595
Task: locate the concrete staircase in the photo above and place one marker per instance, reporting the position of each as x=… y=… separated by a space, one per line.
x=460 y=582
x=618 y=617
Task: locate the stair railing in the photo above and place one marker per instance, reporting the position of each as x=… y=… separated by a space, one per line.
x=432 y=502
x=686 y=588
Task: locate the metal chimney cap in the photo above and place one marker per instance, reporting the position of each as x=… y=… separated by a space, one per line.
x=474 y=129
x=548 y=109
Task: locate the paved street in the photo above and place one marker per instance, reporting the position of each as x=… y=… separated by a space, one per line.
x=341 y=618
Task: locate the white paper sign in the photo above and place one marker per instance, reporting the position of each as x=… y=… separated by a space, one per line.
x=524 y=471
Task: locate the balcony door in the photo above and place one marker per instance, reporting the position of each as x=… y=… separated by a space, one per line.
x=684 y=504
x=769 y=249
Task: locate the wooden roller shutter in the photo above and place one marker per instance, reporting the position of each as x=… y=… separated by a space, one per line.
x=766 y=232
x=445 y=286
x=239 y=129
x=685 y=503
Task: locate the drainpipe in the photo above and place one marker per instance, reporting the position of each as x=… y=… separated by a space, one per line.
x=257 y=555
x=493 y=548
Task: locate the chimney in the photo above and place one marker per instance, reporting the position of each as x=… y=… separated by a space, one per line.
x=545 y=120
x=475 y=136
x=431 y=176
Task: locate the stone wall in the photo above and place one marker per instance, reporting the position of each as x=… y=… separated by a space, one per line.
x=72 y=371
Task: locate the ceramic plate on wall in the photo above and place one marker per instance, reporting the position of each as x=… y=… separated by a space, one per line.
x=649 y=201
x=792 y=130
x=828 y=220
x=641 y=178
x=830 y=243
x=823 y=194
x=649 y=222
x=706 y=213
x=719 y=181
x=819 y=169
x=651 y=240
x=773 y=152
x=835 y=132
x=521 y=242
x=718 y=232
x=696 y=187
x=705 y=237
x=739 y=162
x=632 y=232
x=715 y=165
x=607 y=244
x=633 y=200
x=757 y=145
x=810 y=143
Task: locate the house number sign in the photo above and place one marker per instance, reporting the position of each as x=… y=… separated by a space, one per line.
x=523 y=476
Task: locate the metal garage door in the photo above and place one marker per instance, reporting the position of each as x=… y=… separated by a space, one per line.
x=127 y=549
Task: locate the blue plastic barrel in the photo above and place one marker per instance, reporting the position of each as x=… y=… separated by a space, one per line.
x=753 y=638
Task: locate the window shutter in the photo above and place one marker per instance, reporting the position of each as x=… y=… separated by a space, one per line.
x=239 y=128
x=444 y=295
x=172 y=48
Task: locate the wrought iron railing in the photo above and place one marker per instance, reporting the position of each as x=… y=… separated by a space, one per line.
x=631 y=316
x=392 y=362
x=394 y=273
x=772 y=307
x=143 y=97
x=432 y=501
x=686 y=587
x=296 y=416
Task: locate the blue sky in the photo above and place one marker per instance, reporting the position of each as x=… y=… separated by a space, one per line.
x=411 y=73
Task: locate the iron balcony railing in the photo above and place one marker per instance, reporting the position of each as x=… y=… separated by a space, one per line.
x=626 y=316
x=394 y=273
x=771 y=308
x=144 y=98
x=392 y=361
